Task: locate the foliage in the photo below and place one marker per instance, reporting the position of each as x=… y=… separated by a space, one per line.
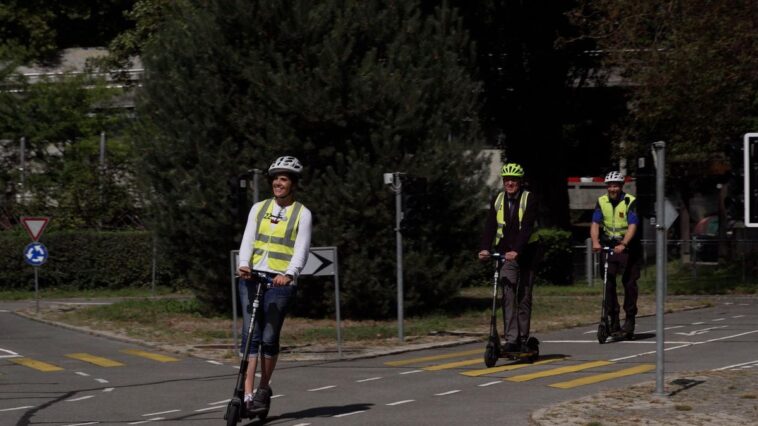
x=61 y=119
x=556 y=263
x=85 y=260
x=354 y=89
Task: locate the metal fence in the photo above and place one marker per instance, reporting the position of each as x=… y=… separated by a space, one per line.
x=702 y=264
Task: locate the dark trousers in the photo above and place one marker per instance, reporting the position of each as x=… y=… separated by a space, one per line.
x=628 y=264
x=517 y=301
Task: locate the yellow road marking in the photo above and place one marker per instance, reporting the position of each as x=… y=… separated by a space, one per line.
x=149 y=355
x=603 y=377
x=37 y=365
x=432 y=358
x=92 y=359
x=509 y=367
x=557 y=371
x=456 y=364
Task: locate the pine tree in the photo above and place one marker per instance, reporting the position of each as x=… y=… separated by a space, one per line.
x=352 y=88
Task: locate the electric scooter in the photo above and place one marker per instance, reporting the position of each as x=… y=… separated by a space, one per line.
x=604 y=328
x=494 y=348
x=236 y=409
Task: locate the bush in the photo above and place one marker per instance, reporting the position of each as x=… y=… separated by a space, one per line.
x=555 y=265
x=85 y=260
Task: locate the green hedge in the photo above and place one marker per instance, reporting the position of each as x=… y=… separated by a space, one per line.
x=555 y=266
x=85 y=260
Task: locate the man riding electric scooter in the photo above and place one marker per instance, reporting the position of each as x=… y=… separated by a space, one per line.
x=615 y=213
x=508 y=230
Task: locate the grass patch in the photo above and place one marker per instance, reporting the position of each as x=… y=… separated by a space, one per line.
x=66 y=293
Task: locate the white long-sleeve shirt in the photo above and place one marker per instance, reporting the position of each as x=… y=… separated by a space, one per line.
x=302 y=240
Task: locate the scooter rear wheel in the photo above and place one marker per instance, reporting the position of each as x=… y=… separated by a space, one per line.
x=602 y=333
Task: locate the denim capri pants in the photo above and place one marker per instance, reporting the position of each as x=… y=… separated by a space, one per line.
x=270 y=316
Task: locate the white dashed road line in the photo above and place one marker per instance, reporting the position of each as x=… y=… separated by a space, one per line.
x=322 y=388
x=749 y=363
x=447 y=393
x=350 y=413
x=81 y=398
x=412 y=372
x=156 y=419
x=405 y=401
x=368 y=380
x=490 y=383
x=17 y=408
x=162 y=412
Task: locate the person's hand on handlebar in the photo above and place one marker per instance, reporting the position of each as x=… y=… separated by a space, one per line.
x=511 y=255
x=484 y=255
x=596 y=247
x=244 y=272
x=281 y=280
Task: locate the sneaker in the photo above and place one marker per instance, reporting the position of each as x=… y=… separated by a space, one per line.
x=261 y=401
x=511 y=347
x=629 y=327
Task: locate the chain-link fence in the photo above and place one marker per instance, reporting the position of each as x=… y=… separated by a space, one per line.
x=700 y=265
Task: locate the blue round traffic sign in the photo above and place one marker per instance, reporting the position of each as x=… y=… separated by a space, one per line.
x=35 y=254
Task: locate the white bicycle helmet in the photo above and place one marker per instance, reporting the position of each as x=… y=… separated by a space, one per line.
x=614 y=176
x=287 y=164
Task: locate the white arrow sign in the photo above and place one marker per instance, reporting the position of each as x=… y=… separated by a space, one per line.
x=701 y=331
x=320 y=261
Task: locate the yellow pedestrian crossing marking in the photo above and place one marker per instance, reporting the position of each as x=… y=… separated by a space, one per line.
x=92 y=359
x=642 y=368
x=456 y=364
x=37 y=365
x=557 y=371
x=509 y=367
x=433 y=358
x=149 y=355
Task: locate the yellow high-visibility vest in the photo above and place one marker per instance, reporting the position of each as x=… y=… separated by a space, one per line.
x=278 y=241
x=615 y=220
x=500 y=208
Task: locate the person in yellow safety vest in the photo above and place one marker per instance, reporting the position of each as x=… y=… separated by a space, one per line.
x=276 y=241
x=616 y=215
x=509 y=229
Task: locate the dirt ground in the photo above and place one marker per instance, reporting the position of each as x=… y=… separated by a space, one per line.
x=698 y=398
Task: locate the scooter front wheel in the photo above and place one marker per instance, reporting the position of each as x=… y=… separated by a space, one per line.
x=233 y=412
x=602 y=333
x=491 y=354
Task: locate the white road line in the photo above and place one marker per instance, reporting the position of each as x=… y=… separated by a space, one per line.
x=218 y=407
x=698 y=323
x=17 y=408
x=8 y=354
x=155 y=419
x=220 y=402
x=302 y=424
x=4 y=310
x=690 y=344
x=350 y=413
x=210 y=361
x=412 y=372
x=367 y=380
x=108 y=390
x=719 y=319
x=322 y=388
x=447 y=393
x=83 y=424
x=81 y=373
x=490 y=383
x=736 y=365
x=277 y=396
x=405 y=401
x=81 y=398
x=162 y=412
x=738 y=316
x=101 y=380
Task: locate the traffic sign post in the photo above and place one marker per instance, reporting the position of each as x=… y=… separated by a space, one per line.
x=322 y=261
x=35 y=253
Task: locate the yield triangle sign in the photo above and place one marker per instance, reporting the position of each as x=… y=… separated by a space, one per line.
x=35 y=226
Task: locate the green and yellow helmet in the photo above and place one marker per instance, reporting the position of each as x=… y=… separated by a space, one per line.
x=512 y=170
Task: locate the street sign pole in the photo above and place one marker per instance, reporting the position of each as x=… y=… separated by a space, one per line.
x=659 y=148
x=36 y=286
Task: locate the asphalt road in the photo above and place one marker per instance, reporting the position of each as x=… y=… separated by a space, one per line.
x=55 y=376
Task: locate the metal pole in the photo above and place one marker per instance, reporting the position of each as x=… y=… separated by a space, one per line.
x=337 y=303
x=36 y=286
x=256 y=194
x=398 y=187
x=234 y=298
x=588 y=261
x=659 y=149
x=22 y=167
